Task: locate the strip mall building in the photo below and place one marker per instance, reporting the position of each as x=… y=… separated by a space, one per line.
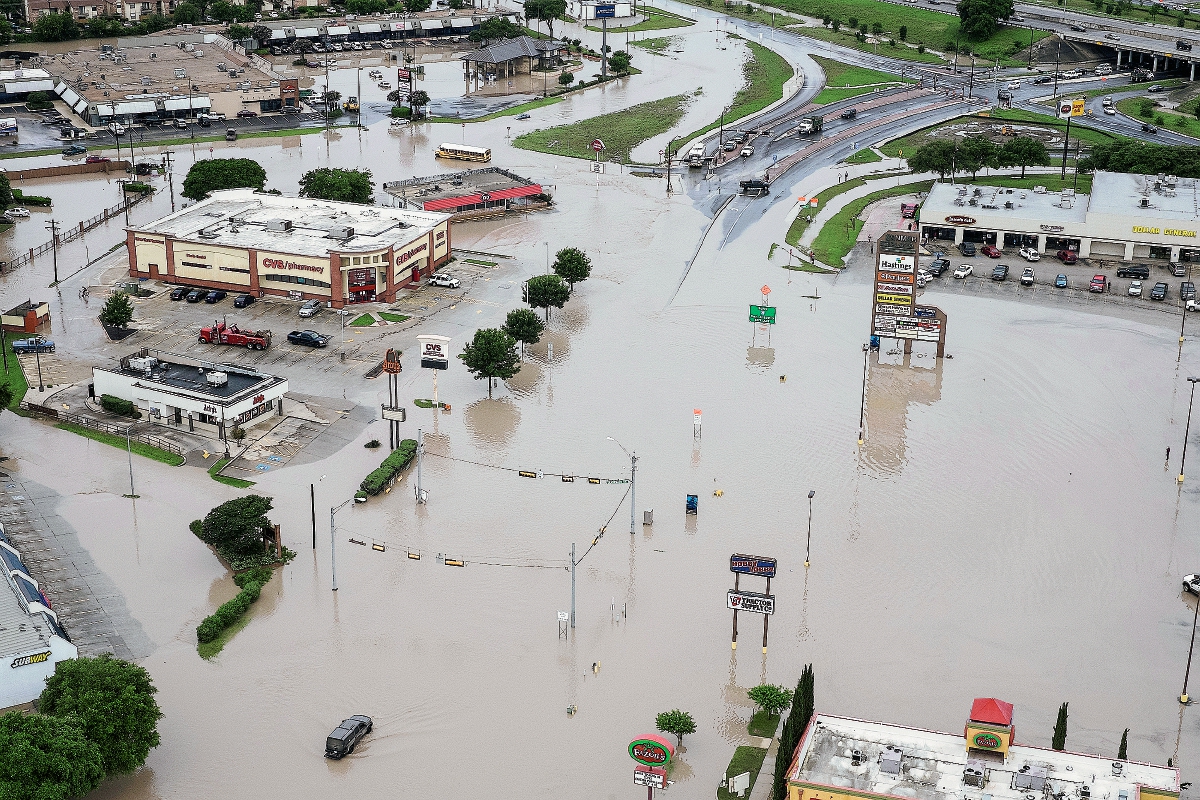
x=242 y=240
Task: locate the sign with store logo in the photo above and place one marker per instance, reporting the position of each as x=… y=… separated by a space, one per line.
x=896 y=261
x=279 y=263
x=987 y=741
x=651 y=750
x=25 y=661
x=435 y=351
x=753 y=602
x=408 y=254
x=759 y=566
x=1052 y=228
x=654 y=777
x=959 y=219
x=259 y=398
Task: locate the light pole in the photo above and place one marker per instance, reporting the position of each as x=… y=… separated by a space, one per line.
x=632 y=482
x=129 y=455
x=1187 y=428
x=1183 y=696
x=333 y=539
x=1183 y=316
x=312 y=498
x=808 y=547
x=862 y=406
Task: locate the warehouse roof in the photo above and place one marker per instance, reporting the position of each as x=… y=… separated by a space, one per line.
x=970 y=201
x=1166 y=196
x=294 y=225
x=851 y=753
x=447 y=192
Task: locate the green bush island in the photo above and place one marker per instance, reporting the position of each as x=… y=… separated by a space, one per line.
x=393 y=465
x=251 y=583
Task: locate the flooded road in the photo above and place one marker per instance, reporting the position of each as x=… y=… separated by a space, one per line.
x=1007 y=529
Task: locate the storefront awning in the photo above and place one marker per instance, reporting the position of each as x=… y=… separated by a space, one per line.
x=137 y=107
x=451 y=203
x=338 y=30
x=183 y=103
x=19 y=87
x=70 y=97
x=279 y=34
x=431 y=24
x=369 y=27
x=308 y=33
x=80 y=107
x=460 y=22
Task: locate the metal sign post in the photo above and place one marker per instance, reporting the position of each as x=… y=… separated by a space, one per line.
x=392 y=411
x=759 y=566
x=435 y=355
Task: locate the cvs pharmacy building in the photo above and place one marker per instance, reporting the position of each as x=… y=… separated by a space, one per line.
x=241 y=240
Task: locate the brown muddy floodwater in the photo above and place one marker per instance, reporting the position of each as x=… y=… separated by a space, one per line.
x=1007 y=530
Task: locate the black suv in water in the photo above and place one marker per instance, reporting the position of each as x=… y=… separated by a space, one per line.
x=345 y=736
x=1159 y=292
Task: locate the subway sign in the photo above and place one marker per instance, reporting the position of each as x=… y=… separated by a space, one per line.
x=25 y=661
x=987 y=741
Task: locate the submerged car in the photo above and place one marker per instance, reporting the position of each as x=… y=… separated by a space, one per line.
x=1135 y=288
x=1027 y=277
x=1191 y=584
x=1060 y=282
x=1159 y=292
x=1000 y=273
x=310 y=308
x=990 y=251
x=341 y=742
x=442 y=279
x=34 y=344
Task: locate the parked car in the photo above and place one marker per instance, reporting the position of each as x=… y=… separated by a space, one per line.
x=1187 y=291
x=1078 y=29
x=990 y=251
x=747 y=151
x=345 y=736
x=1029 y=254
x=215 y=296
x=1014 y=84
x=967 y=249
x=310 y=308
x=181 y=124
x=18 y=212
x=1067 y=256
x=1191 y=584
x=1044 y=79
x=1027 y=276
x=97 y=160
x=1178 y=270
x=522 y=116
x=730 y=146
x=1156 y=88
x=1110 y=110
x=179 y=292
x=1000 y=272
x=246 y=113
x=243 y=300
x=34 y=344
x=1099 y=283
x=442 y=279
x=196 y=295
x=1159 y=292
x=1135 y=288
x=963 y=271
x=1060 y=282
x=938 y=266
x=1112 y=37
x=1139 y=271
x=74 y=150
x=308 y=338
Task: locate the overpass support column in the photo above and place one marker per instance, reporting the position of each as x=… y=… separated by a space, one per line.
x=1155 y=66
x=1118 y=59
x=1192 y=65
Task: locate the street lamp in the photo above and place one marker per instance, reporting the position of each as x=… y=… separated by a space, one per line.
x=862 y=406
x=808 y=547
x=333 y=539
x=1187 y=427
x=312 y=498
x=632 y=482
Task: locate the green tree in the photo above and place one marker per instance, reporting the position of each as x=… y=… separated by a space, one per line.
x=186 y=14
x=524 y=325
x=6 y=396
x=239 y=32
x=1060 y=729
x=803 y=705
x=55 y=27
x=1123 y=750
x=572 y=265
x=238 y=525
x=344 y=185
x=113 y=701
x=771 y=698
x=223 y=11
x=876 y=28
x=545 y=10
x=495 y=28
x=117 y=310
x=936 y=156
x=981 y=18
x=676 y=722
x=1023 y=151
x=6 y=195
x=6 y=32
x=417 y=6
x=491 y=354
x=976 y=152
x=618 y=62
x=43 y=757
x=417 y=101
x=38 y=101
x=546 y=291
x=210 y=174
x=566 y=79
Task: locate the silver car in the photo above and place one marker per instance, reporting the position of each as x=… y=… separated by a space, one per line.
x=310 y=308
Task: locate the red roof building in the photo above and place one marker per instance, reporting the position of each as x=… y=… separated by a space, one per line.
x=991 y=711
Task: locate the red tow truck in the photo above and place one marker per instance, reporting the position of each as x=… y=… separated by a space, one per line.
x=220 y=333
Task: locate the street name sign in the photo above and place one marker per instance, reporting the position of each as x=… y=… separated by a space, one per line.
x=762 y=314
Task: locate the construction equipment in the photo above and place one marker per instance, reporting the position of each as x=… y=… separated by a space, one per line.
x=351 y=105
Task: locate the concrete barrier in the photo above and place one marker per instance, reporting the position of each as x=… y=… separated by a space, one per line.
x=67 y=169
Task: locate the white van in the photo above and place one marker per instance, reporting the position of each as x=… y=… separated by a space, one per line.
x=1104 y=69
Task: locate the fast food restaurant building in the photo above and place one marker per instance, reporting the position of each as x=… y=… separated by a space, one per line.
x=246 y=241
x=1125 y=218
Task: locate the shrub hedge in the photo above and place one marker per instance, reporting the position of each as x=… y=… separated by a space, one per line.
x=115 y=405
x=391 y=466
x=21 y=198
x=251 y=583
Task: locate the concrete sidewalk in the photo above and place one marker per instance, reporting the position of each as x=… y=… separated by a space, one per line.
x=766 y=775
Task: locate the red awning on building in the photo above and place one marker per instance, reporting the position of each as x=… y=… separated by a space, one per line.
x=452 y=203
x=991 y=711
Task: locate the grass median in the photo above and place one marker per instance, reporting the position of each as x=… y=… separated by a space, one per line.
x=800 y=223
x=658 y=46
x=507 y=112
x=840 y=232
x=864 y=156
x=746 y=758
x=658 y=20
x=621 y=131
x=896 y=148
x=141 y=448
x=237 y=483
x=843 y=81
x=13 y=375
x=765 y=72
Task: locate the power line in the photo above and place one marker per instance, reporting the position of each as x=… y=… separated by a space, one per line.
x=603 y=528
x=568 y=477
x=416 y=554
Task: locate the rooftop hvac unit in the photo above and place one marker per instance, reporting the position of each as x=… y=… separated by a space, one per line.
x=1143 y=202
x=1029 y=777
x=1008 y=204
x=975 y=774
x=1039 y=190
x=340 y=233
x=209 y=235
x=217 y=378
x=143 y=363
x=279 y=225
x=889 y=761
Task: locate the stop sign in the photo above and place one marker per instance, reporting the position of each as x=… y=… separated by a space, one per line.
x=597 y=145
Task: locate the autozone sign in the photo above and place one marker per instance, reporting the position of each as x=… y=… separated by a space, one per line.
x=753 y=602
x=959 y=219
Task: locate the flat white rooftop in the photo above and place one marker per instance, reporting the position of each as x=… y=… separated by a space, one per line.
x=992 y=202
x=1166 y=196
x=245 y=218
x=932 y=766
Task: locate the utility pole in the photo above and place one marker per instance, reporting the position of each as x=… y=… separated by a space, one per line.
x=604 y=47
x=420 y=453
x=52 y=226
x=312 y=498
x=170 y=177
x=672 y=141
x=573 y=585
x=632 y=490
x=333 y=545
x=1030 y=64
x=1057 y=59
x=129 y=455
x=1066 y=142
x=808 y=546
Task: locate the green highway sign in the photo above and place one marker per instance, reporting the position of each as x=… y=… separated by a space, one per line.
x=763 y=314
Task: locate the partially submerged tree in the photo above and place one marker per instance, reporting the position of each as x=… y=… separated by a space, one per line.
x=491 y=354
x=524 y=325
x=1060 y=729
x=210 y=174
x=117 y=311
x=771 y=698
x=572 y=265
x=545 y=10
x=546 y=291
x=238 y=525
x=332 y=183
x=43 y=757
x=676 y=722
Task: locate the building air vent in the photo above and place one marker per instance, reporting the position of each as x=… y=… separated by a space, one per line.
x=975 y=773
x=206 y=234
x=889 y=761
x=1143 y=202
x=217 y=378
x=1030 y=777
x=143 y=364
x=1008 y=204
x=282 y=225
x=1039 y=190
x=340 y=233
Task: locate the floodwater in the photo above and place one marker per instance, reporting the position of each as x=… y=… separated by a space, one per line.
x=1008 y=529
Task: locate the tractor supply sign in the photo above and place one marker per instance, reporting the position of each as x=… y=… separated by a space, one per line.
x=753 y=602
x=987 y=741
x=25 y=661
x=895 y=278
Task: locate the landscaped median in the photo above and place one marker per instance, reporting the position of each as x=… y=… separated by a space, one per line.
x=621 y=131
x=219 y=627
x=838 y=235
x=141 y=448
x=843 y=81
x=382 y=477
x=657 y=19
